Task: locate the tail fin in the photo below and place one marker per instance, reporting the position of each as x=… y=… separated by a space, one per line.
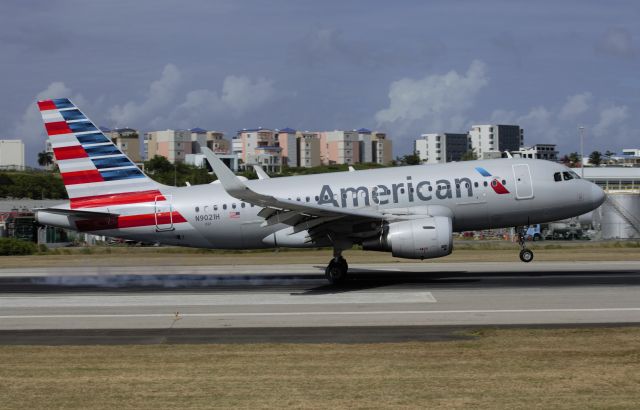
x=94 y=171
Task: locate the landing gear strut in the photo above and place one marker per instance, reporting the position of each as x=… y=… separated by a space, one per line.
x=336 y=271
x=526 y=254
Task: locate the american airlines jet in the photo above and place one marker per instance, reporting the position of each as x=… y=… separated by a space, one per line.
x=409 y=211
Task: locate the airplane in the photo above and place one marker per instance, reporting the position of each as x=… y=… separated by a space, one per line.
x=410 y=211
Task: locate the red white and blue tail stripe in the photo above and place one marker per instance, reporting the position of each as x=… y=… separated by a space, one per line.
x=94 y=171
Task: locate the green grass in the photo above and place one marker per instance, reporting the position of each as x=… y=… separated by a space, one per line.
x=500 y=369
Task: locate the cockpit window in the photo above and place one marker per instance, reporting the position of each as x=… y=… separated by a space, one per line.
x=557 y=177
x=567 y=176
x=574 y=175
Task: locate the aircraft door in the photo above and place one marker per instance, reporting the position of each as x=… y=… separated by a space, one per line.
x=524 y=184
x=164 y=213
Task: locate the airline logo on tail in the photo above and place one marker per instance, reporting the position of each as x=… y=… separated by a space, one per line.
x=95 y=172
x=495 y=183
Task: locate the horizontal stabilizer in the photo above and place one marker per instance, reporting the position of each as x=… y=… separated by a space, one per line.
x=76 y=212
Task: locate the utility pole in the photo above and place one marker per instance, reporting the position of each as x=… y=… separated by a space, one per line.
x=581 y=129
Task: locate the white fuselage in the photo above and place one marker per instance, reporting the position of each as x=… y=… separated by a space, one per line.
x=206 y=216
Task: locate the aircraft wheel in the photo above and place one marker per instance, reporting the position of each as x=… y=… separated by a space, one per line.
x=343 y=262
x=336 y=272
x=526 y=255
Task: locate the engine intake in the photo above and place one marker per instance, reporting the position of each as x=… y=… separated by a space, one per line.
x=422 y=238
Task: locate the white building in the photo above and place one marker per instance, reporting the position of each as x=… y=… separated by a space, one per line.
x=12 y=154
x=439 y=148
x=199 y=160
x=489 y=141
x=538 y=151
x=366 y=145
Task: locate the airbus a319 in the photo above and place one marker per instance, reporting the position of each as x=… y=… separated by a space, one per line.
x=410 y=211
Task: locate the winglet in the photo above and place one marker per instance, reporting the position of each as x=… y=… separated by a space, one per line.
x=260 y=172
x=231 y=183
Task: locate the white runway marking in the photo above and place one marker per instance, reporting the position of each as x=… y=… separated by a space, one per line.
x=243 y=299
x=385 y=312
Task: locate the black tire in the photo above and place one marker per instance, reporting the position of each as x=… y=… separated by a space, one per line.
x=336 y=272
x=537 y=237
x=526 y=255
x=343 y=262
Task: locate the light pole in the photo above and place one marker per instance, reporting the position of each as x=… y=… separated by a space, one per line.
x=581 y=129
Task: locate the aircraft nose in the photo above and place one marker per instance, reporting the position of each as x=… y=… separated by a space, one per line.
x=597 y=195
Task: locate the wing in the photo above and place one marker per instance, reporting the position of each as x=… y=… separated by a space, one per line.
x=302 y=216
x=260 y=172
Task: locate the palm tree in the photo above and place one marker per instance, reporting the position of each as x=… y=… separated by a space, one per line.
x=45 y=159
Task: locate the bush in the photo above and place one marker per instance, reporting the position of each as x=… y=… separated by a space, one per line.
x=10 y=246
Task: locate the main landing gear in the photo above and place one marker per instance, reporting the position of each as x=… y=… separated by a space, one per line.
x=526 y=254
x=336 y=271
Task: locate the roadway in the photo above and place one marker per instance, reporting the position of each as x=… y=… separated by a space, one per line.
x=264 y=303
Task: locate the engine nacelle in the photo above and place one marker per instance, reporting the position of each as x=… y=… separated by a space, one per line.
x=422 y=238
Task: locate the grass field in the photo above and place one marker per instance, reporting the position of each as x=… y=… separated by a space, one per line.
x=503 y=369
x=463 y=252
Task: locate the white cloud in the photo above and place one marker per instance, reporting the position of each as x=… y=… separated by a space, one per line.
x=618 y=42
x=241 y=94
x=164 y=107
x=30 y=128
x=611 y=117
x=575 y=105
x=161 y=93
x=435 y=102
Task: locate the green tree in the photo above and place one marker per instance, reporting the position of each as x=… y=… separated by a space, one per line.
x=409 y=159
x=45 y=159
x=469 y=156
x=595 y=158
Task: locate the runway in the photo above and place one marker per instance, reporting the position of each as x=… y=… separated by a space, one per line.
x=406 y=296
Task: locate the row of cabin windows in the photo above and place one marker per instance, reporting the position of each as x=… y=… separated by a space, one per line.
x=326 y=198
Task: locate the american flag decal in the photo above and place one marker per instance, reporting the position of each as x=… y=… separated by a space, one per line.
x=234 y=215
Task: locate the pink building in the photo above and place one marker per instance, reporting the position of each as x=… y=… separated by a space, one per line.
x=339 y=147
x=171 y=144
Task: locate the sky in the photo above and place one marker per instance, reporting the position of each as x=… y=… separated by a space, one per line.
x=404 y=67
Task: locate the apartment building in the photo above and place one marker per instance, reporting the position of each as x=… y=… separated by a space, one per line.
x=174 y=145
x=339 y=147
x=214 y=140
x=382 y=148
x=259 y=146
x=288 y=141
x=127 y=140
x=438 y=148
x=308 y=146
x=491 y=140
x=538 y=151
x=365 y=145
x=12 y=154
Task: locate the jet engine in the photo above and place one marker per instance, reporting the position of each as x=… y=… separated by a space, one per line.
x=422 y=238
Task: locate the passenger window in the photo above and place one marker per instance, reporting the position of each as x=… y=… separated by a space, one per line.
x=233 y=206
x=567 y=176
x=224 y=206
x=215 y=207
x=242 y=204
x=557 y=177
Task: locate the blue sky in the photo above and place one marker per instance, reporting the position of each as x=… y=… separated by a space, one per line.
x=405 y=67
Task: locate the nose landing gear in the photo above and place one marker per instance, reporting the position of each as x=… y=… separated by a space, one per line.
x=526 y=254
